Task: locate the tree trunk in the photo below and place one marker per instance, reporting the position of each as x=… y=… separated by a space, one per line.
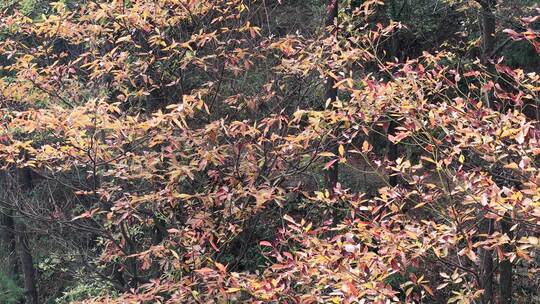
x=487 y=24
x=392 y=152
x=27 y=263
x=9 y=241
x=392 y=148
x=25 y=255
x=7 y=231
x=505 y=266
x=331 y=12
x=332 y=176
x=486 y=265
x=488 y=29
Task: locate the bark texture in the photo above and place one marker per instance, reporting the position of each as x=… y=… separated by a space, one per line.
x=25 y=254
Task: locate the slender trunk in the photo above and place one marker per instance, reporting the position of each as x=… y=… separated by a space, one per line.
x=131 y=263
x=392 y=148
x=392 y=153
x=505 y=266
x=486 y=265
x=25 y=255
x=488 y=29
x=7 y=231
x=27 y=263
x=331 y=12
x=487 y=22
x=9 y=241
x=332 y=176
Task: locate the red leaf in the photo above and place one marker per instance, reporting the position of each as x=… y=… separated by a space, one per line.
x=329 y=164
x=513 y=34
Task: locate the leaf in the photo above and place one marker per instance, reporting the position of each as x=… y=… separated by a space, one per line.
x=87 y=214
x=125 y=38
x=341 y=150
x=531 y=19
x=265 y=243
x=327 y=154
x=513 y=166
x=428 y=289
x=233 y=290
x=513 y=34
x=349 y=248
x=442 y=286
x=419 y=205
x=329 y=164
x=211 y=241
x=182 y=196
x=221 y=267
x=366 y=147
x=204 y=270
x=349 y=288
x=289 y=219
x=399 y=137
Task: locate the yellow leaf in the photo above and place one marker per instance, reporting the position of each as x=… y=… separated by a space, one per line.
x=506 y=133
x=326 y=154
x=365 y=146
x=182 y=195
x=341 y=150
x=125 y=38
x=511 y=166
x=233 y=289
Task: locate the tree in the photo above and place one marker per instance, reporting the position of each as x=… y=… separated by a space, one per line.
x=177 y=151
